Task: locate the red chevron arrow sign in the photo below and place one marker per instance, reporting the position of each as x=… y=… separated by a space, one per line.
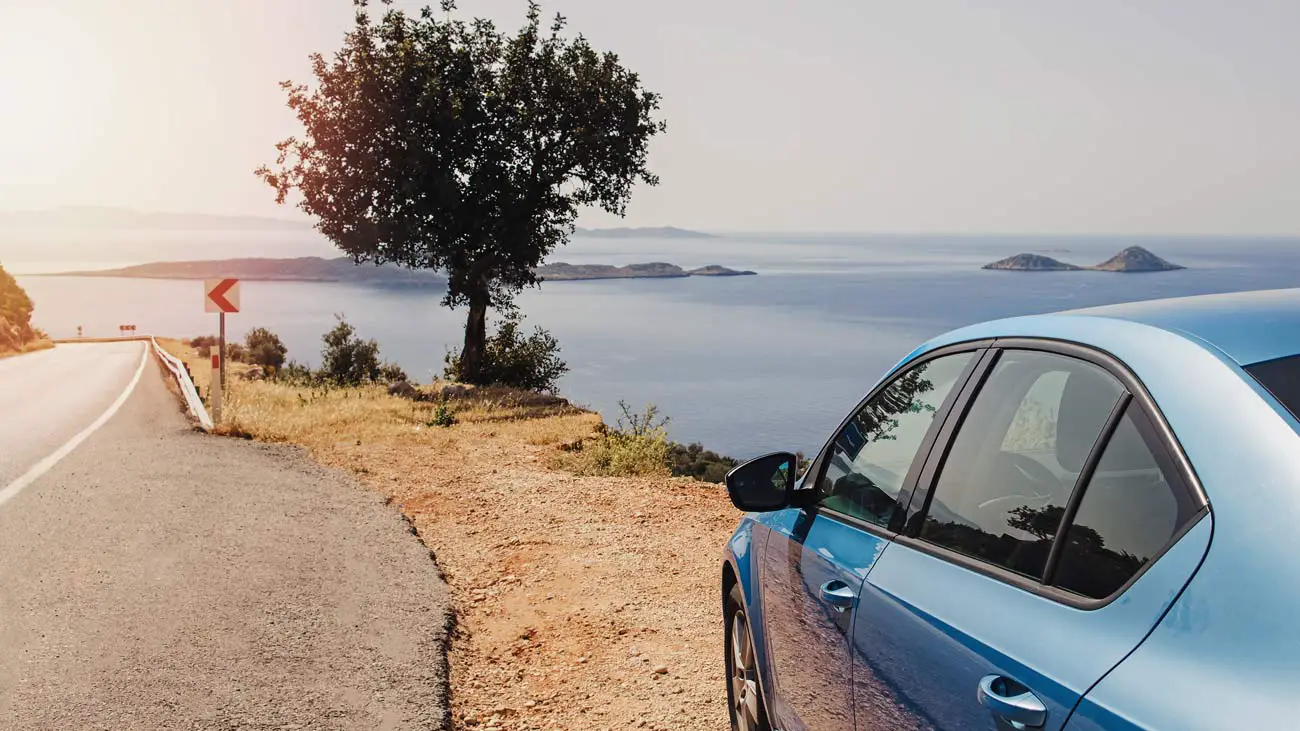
x=221 y=295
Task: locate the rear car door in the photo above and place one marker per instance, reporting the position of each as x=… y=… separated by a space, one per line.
x=1049 y=530
x=816 y=556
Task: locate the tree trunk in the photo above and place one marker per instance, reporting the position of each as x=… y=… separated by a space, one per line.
x=471 y=358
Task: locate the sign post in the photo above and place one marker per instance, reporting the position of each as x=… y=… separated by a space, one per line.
x=220 y=296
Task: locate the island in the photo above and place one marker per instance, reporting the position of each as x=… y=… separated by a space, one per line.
x=1132 y=259
x=344 y=269
x=560 y=271
x=1032 y=263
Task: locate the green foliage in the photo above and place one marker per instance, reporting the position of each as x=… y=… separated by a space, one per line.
x=637 y=446
x=15 y=314
x=391 y=373
x=442 y=416
x=530 y=364
x=236 y=353
x=265 y=348
x=439 y=143
x=296 y=374
x=693 y=460
x=346 y=359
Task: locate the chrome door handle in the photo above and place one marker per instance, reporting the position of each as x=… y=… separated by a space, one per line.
x=1012 y=702
x=838 y=594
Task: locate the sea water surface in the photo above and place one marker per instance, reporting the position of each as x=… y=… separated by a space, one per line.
x=742 y=364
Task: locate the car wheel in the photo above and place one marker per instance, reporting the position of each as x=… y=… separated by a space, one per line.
x=745 y=698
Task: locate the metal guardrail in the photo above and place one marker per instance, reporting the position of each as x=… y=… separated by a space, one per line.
x=191 y=394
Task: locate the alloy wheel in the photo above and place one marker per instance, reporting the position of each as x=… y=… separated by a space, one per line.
x=745 y=701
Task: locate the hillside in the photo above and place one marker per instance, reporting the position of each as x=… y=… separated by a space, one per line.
x=1132 y=259
x=1031 y=263
x=1136 y=259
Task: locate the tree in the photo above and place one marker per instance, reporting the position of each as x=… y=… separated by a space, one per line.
x=265 y=349
x=15 y=313
x=445 y=144
x=346 y=359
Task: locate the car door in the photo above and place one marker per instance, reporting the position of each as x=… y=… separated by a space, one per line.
x=1049 y=494
x=816 y=556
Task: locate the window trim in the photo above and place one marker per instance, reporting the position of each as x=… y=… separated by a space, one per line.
x=808 y=500
x=1135 y=395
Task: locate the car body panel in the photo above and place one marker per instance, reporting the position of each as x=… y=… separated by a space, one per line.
x=806 y=638
x=1224 y=654
x=928 y=630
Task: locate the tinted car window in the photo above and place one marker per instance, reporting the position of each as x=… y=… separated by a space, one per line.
x=1008 y=476
x=1282 y=379
x=871 y=456
x=1131 y=508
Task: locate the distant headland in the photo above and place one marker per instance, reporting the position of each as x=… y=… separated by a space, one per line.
x=650 y=232
x=343 y=269
x=1132 y=259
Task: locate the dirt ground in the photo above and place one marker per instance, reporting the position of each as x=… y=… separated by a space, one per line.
x=583 y=603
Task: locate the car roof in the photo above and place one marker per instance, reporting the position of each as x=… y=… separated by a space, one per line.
x=1248 y=327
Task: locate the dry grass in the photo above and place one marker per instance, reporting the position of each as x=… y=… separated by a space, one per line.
x=200 y=368
x=318 y=417
x=31 y=347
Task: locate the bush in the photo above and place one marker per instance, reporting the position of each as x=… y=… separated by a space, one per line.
x=297 y=374
x=693 y=460
x=392 y=373
x=15 y=313
x=637 y=446
x=530 y=364
x=265 y=348
x=346 y=359
x=236 y=353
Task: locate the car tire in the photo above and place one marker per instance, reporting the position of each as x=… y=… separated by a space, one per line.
x=744 y=693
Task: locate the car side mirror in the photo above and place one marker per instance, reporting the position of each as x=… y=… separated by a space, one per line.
x=764 y=483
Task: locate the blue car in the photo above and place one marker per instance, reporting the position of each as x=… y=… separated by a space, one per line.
x=1087 y=520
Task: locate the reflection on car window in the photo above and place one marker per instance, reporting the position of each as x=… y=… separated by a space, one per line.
x=1128 y=513
x=870 y=457
x=1004 y=486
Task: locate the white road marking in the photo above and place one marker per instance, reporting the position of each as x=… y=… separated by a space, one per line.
x=46 y=464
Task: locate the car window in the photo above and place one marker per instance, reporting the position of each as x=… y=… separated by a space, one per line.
x=872 y=454
x=1282 y=379
x=1003 y=488
x=1130 y=510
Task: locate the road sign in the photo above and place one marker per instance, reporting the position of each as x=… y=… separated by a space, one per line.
x=221 y=295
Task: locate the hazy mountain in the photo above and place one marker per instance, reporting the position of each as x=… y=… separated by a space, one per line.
x=650 y=232
x=103 y=217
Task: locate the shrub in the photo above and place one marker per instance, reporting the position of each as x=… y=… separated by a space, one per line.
x=637 y=446
x=392 y=373
x=442 y=416
x=236 y=353
x=530 y=364
x=296 y=373
x=265 y=348
x=346 y=359
x=693 y=460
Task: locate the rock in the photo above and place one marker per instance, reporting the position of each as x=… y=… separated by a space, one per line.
x=253 y=374
x=453 y=391
x=661 y=670
x=402 y=389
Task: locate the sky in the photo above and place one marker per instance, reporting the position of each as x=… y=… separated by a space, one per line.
x=1007 y=116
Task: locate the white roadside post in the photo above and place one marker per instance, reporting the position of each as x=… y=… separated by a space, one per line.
x=220 y=296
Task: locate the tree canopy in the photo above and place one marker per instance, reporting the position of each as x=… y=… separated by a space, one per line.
x=440 y=143
x=15 y=313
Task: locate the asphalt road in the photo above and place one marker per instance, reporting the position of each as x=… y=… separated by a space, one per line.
x=158 y=578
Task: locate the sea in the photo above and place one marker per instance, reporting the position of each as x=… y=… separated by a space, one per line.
x=743 y=365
